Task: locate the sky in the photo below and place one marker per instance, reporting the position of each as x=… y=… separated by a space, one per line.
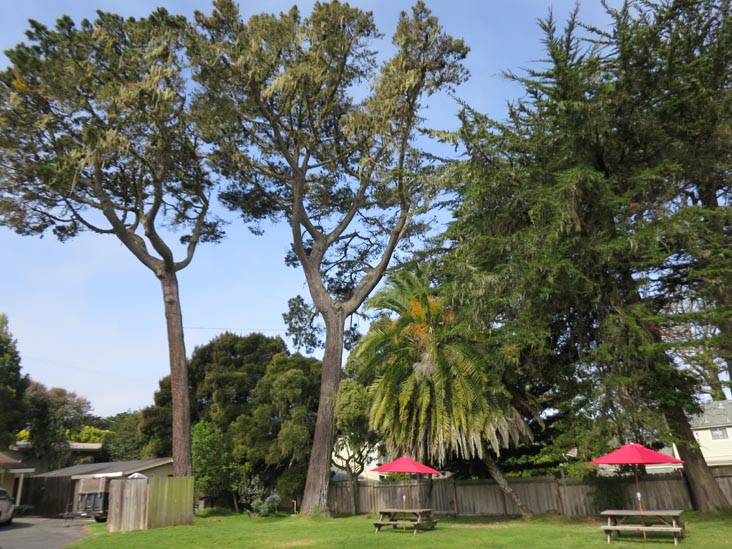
x=88 y=317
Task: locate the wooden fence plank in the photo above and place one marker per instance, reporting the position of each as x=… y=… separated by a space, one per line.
x=170 y=501
x=145 y=503
x=127 y=505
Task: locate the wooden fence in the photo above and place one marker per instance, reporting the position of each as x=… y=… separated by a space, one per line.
x=145 y=503
x=484 y=498
x=49 y=496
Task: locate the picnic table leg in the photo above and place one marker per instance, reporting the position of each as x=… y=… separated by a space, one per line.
x=680 y=524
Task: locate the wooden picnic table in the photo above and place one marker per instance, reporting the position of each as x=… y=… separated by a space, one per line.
x=651 y=520
x=415 y=519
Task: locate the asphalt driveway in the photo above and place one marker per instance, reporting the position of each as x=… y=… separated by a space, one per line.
x=41 y=533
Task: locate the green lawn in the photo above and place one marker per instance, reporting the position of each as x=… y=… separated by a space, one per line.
x=703 y=530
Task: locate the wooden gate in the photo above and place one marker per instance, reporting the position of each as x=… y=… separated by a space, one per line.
x=49 y=496
x=145 y=503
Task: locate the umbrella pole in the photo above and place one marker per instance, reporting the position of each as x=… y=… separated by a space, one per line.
x=638 y=497
x=404 y=503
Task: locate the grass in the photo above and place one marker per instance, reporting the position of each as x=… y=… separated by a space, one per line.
x=280 y=531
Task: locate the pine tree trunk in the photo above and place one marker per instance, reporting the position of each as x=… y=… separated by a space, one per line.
x=497 y=475
x=315 y=498
x=706 y=493
x=182 y=460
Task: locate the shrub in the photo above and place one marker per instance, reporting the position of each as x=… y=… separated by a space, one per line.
x=265 y=508
x=23 y=510
x=250 y=490
x=608 y=492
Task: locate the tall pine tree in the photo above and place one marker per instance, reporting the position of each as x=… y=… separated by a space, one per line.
x=569 y=231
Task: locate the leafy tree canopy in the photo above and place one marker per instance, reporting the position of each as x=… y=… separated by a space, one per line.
x=222 y=376
x=225 y=371
x=125 y=440
x=52 y=414
x=216 y=474
x=276 y=431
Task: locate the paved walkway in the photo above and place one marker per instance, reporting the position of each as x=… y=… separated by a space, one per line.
x=41 y=533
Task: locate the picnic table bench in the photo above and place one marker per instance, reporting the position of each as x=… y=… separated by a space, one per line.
x=416 y=519
x=665 y=520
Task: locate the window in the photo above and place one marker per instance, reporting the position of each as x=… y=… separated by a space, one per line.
x=719 y=433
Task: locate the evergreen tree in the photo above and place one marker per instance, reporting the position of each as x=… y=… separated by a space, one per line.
x=97 y=135
x=275 y=432
x=567 y=237
x=13 y=386
x=222 y=375
x=347 y=174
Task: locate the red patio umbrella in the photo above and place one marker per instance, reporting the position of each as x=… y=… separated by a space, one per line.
x=406 y=464
x=635 y=454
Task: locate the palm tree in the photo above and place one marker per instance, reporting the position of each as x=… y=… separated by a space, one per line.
x=433 y=393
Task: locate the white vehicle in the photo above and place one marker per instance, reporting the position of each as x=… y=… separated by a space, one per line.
x=7 y=507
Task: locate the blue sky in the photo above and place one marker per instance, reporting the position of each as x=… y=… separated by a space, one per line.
x=88 y=317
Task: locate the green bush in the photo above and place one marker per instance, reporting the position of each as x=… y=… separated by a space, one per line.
x=250 y=490
x=266 y=507
x=23 y=510
x=608 y=492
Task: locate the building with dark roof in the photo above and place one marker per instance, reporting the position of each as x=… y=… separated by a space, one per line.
x=57 y=492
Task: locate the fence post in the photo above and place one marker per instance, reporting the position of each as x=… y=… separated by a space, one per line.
x=560 y=488
x=455 y=497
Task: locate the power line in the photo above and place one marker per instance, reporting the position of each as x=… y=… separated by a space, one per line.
x=80 y=368
x=234 y=329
